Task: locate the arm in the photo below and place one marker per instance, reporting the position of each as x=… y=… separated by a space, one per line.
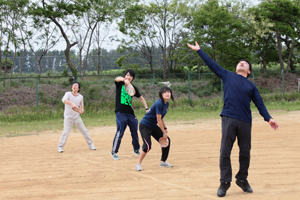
x=69 y=103
x=263 y=110
x=161 y=124
x=257 y=100
x=81 y=109
x=165 y=127
x=214 y=67
x=119 y=79
x=144 y=103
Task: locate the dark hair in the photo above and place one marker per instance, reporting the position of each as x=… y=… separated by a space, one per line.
x=250 y=67
x=131 y=72
x=78 y=85
x=163 y=90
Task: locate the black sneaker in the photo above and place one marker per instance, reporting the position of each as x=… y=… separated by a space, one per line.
x=244 y=185
x=223 y=189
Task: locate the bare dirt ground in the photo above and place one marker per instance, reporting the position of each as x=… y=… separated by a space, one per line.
x=31 y=167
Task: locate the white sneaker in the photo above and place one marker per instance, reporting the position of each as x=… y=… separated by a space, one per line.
x=93 y=148
x=115 y=156
x=165 y=164
x=136 y=152
x=60 y=150
x=138 y=167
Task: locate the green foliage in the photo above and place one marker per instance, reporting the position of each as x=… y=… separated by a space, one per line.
x=219 y=32
x=75 y=73
x=8 y=64
x=263 y=90
x=65 y=72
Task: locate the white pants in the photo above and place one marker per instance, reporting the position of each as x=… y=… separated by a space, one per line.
x=68 y=123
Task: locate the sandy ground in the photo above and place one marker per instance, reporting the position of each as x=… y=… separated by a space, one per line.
x=31 y=167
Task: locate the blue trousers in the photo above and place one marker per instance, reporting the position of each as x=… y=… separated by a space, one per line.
x=124 y=119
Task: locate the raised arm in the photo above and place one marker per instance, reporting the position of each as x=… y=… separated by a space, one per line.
x=119 y=79
x=214 y=67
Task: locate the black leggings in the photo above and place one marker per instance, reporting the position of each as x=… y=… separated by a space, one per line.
x=156 y=132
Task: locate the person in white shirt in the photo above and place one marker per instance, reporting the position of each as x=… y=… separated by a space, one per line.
x=73 y=100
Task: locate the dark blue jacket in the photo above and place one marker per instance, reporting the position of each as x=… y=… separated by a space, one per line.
x=238 y=93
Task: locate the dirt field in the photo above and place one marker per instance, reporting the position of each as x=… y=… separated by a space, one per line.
x=31 y=167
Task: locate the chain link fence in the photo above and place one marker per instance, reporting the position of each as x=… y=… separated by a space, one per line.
x=100 y=88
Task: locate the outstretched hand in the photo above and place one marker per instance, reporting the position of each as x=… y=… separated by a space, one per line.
x=195 y=47
x=273 y=124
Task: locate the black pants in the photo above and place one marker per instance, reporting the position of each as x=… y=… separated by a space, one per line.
x=156 y=132
x=232 y=129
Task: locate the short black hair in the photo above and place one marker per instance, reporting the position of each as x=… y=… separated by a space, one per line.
x=131 y=72
x=78 y=85
x=163 y=90
x=250 y=67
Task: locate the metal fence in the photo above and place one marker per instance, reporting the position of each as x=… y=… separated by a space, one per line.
x=187 y=85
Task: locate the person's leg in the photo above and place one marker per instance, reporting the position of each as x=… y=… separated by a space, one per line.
x=68 y=123
x=228 y=137
x=244 y=142
x=122 y=122
x=229 y=131
x=157 y=133
x=79 y=124
x=146 y=137
x=133 y=126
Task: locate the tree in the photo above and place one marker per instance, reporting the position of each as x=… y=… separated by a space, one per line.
x=261 y=36
x=285 y=17
x=62 y=13
x=136 y=26
x=45 y=36
x=156 y=25
x=101 y=32
x=220 y=33
x=11 y=18
x=8 y=64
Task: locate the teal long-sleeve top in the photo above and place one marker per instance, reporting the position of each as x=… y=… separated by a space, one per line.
x=238 y=93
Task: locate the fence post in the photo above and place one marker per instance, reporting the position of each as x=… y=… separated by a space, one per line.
x=253 y=77
x=282 y=72
x=153 y=87
x=189 y=90
x=37 y=93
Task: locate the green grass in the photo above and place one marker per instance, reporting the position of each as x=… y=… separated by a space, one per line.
x=29 y=122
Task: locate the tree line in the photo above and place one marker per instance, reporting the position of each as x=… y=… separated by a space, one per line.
x=156 y=33
x=55 y=60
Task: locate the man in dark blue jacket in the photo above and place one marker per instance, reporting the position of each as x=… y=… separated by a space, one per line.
x=236 y=119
